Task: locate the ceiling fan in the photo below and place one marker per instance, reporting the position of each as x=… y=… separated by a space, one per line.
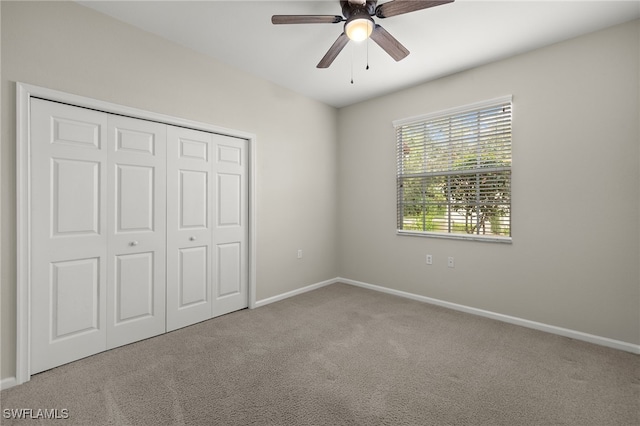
x=359 y=24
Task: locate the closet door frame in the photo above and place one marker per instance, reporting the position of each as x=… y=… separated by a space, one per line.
x=24 y=94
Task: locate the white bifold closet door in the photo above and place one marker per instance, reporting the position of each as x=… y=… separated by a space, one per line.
x=137 y=228
x=207 y=230
x=189 y=227
x=98 y=232
x=68 y=234
x=136 y=215
x=230 y=227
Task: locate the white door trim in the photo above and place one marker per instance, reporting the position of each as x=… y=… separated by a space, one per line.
x=24 y=93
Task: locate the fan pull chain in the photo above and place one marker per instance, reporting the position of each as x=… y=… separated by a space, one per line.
x=352 y=48
x=367 y=53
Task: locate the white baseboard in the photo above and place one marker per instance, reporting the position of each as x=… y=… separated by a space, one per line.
x=578 y=335
x=7 y=383
x=296 y=292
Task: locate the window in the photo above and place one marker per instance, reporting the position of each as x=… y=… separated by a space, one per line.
x=454 y=172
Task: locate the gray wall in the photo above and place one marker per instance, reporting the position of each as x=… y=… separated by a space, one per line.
x=71 y=48
x=575 y=253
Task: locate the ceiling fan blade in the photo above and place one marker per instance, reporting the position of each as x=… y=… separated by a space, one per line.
x=388 y=43
x=399 y=7
x=334 y=50
x=306 y=19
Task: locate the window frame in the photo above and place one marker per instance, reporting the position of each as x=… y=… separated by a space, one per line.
x=450 y=113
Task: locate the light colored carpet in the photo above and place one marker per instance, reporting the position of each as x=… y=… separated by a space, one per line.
x=343 y=355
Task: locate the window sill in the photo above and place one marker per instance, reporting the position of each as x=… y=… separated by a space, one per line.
x=482 y=238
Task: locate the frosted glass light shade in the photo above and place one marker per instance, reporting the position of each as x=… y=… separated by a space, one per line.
x=359 y=29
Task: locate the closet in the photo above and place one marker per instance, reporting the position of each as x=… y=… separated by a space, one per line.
x=137 y=228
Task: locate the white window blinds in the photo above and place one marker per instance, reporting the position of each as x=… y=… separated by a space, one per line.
x=454 y=172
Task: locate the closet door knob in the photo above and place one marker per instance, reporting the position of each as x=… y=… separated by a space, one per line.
x=133 y=243
x=192 y=238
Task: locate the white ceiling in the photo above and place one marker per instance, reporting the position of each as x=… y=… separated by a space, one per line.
x=442 y=40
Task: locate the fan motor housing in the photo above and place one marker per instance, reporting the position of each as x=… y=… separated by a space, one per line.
x=354 y=9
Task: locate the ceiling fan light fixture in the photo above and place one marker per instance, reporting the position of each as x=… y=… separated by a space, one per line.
x=359 y=29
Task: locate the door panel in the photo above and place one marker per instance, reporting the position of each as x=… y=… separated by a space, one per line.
x=189 y=218
x=134 y=198
x=194 y=149
x=231 y=227
x=139 y=142
x=134 y=287
x=194 y=197
x=229 y=200
x=229 y=153
x=229 y=269
x=77 y=133
x=75 y=300
x=75 y=197
x=137 y=236
x=194 y=282
x=68 y=233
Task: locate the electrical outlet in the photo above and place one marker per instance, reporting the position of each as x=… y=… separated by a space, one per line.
x=429 y=259
x=299 y=253
x=450 y=263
